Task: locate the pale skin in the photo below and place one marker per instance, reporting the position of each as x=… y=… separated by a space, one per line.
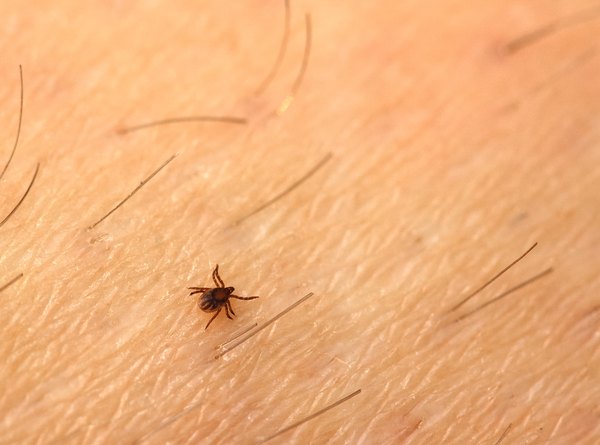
x=453 y=152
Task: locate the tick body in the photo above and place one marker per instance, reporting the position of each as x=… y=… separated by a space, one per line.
x=214 y=299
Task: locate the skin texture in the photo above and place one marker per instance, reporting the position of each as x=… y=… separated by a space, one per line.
x=454 y=150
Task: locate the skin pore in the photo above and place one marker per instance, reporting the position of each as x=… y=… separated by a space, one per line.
x=453 y=151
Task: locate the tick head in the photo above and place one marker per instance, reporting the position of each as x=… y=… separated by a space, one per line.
x=221 y=294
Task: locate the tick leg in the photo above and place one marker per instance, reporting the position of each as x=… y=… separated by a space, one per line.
x=230 y=308
x=216 y=278
x=213 y=317
x=242 y=298
x=227 y=311
x=198 y=290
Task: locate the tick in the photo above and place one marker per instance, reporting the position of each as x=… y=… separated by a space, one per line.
x=214 y=299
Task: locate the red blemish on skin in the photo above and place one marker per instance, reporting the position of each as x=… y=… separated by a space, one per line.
x=585 y=327
x=406 y=432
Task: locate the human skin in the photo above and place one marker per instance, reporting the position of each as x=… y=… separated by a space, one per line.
x=453 y=151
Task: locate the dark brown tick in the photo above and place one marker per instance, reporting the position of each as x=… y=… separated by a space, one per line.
x=216 y=298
